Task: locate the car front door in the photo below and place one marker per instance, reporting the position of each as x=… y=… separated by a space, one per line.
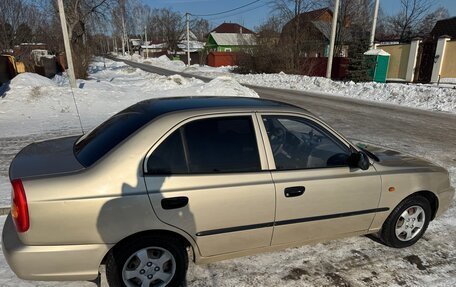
x=318 y=195
x=209 y=178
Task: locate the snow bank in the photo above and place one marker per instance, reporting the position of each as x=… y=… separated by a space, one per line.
x=448 y=80
x=226 y=86
x=30 y=80
x=417 y=96
x=428 y=97
x=162 y=61
x=208 y=70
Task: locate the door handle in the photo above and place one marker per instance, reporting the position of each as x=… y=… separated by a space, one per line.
x=294 y=191
x=174 y=202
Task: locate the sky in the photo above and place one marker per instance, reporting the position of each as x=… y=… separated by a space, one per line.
x=257 y=13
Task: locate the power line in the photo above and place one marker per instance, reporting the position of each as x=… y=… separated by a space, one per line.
x=227 y=11
x=237 y=13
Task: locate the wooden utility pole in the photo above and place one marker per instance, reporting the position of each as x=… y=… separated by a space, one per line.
x=66 y=41
x=332 y=40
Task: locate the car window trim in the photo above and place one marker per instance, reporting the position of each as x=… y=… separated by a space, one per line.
x=315 y=121
x=261 y=151
x=184 y=147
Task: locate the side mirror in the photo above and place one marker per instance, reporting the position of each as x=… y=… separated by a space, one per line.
x=359 y=160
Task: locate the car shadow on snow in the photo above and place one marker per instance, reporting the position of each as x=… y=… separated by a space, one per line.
x=131 y=212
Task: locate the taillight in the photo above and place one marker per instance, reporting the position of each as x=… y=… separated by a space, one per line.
x=19 y=208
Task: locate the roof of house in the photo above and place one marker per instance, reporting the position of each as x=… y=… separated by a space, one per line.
x=325 y=28
x=316 y=18
x=154 y=46
x=315 y=14
x=445 y=27
x=233 y=39
x=232 y=28
x=377 y=52
x=194 y=46
x=191 y=36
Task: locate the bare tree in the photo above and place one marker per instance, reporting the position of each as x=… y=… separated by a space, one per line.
x=428 y=21
x=290 y=9
x=201 y=28
x=290 y=12
x=271 y=28
x=383 y=24
x=404 y=24
x=354 y=21
x=81 y=13
x=167 y=26
x=118 y=21
x=139 y=15
x=83 y=19
x=38 y=21
x=12 y=15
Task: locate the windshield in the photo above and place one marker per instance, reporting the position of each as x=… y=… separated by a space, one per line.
x=94 y=145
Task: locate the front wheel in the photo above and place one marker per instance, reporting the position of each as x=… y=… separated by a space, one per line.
x=150 y=261
x=407 y=223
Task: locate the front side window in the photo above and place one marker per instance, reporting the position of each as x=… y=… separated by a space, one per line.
x=297 y=143
x=214 y=145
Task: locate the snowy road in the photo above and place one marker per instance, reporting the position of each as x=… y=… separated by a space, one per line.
x=358 y=261
x=423 y=133
x=434 y=133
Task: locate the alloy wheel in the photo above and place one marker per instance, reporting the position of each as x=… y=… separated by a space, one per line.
x=149 y=267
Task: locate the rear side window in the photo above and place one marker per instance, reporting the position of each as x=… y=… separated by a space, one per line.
x=169 y=157
x=94 y=145
x=214 y=145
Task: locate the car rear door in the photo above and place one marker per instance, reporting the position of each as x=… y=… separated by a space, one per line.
x=209 y=178
x=318 y=195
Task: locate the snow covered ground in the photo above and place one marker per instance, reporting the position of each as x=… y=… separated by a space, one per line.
x=428 y=97
x=35 y=108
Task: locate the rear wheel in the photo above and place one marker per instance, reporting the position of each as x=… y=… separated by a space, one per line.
x=150 y=261
x=407 y=223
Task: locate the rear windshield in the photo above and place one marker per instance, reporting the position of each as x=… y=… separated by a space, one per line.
x=94 y=145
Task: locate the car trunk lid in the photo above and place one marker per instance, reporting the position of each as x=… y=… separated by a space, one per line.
x=44 y=158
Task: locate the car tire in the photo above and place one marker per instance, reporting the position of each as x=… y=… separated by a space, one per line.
x=154 y=259
x=407 y=223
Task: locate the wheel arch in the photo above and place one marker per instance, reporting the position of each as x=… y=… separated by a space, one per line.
x=386 y=233
x=158 y=232
x=431 y=197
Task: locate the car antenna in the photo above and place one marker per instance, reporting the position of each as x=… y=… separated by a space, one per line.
x=77 y=110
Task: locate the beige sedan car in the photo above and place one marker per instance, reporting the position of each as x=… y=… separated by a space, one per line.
x=219 y=177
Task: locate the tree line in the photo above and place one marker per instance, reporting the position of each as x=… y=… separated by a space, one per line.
x=95 y=26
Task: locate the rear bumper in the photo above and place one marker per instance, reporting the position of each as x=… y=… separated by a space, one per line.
x=56 y=263
x=445 y=199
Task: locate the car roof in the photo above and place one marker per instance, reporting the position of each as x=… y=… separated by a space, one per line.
x=91 y=147
x=161 y=106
